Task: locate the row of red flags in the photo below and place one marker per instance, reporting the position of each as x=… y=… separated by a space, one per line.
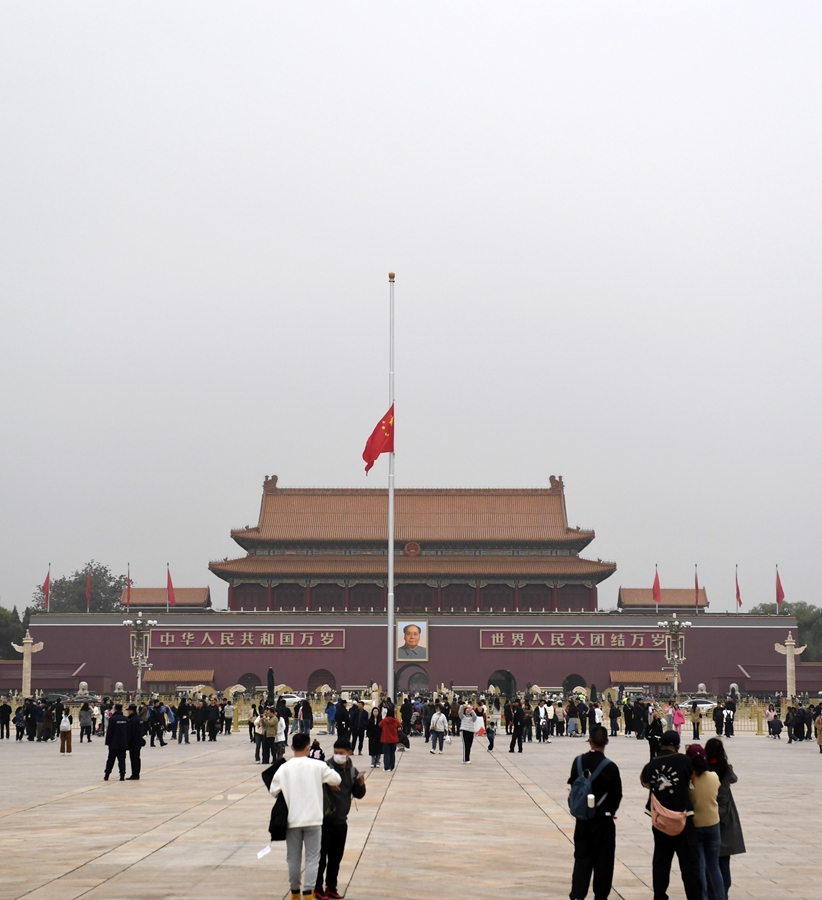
x=171 y=599
x=657 y=590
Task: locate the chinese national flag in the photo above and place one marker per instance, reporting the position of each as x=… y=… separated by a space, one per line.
x=738 y=595
x=128 y=589
x=170 y=589
x=47 y=588
x=657 y=589
x=780 y=594
x=88 y=591
x=381 y=440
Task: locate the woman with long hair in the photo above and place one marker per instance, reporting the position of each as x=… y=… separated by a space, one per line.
x=695 y=715
x=704 y=793
x=85 y=722
x=731 y=841
x=373 y=733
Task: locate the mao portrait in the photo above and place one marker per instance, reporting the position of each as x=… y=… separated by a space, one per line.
x=412 y=640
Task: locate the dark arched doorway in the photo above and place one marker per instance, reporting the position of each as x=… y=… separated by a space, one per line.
x=250 y=681
x=504 y=681
x=411 y=678
x=573 y=681
x=320 y=677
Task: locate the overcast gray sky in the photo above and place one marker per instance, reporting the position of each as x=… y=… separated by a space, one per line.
x=605 y=223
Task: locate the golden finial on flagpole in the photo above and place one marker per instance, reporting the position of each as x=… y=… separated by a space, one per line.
x=390 y=276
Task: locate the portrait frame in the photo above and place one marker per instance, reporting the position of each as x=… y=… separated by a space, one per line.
x=422 y=651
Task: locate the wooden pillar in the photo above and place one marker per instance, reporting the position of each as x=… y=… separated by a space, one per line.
x=231 y=600
x=592 y=598
x=269 y=596
x=346 y=597
x=478 y=597
x=516 y=596
x=385 y=596
x=555 y=596
x=308 y=595
x=439 y=596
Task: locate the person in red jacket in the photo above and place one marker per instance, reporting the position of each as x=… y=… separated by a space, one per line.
x=390 y=739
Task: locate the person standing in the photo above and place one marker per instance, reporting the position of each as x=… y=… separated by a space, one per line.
x=437 y=728
x=427 y=715
x=704 y=793
x=718 y=715
x=541 y=720
x=213 y=713
x=30 y=719
x=654 y=733
x=679 y=718
x=5 y=719
x=668 y=777
x=65 y=731
x=183 y=721
x=270 y=725
x=595 y=838
x=468 y=725
x=359 y=722
x=136 y=742
x=330 y=713
x=613 y=715
x=342 y=720
x=374 y=735
x=301 y=780
x=228 y=717
x=389 y=726
x=695 y=715
x=200 y=716
x=335 y=825
x=518 y=726
x=84 y=717
x=731 y=840
x=117 y=742
x=157 y=723
x=406 y=711
x=559 y=719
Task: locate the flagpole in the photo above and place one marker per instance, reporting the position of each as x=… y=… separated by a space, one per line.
x=168 y=575
x=390 y=604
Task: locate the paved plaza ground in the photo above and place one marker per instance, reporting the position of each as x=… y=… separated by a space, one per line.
x=192 y=827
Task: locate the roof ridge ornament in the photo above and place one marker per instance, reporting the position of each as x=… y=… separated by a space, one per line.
x=557 y=483
x=270 y=484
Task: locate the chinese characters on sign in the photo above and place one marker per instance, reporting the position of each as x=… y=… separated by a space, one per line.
x=537 y=639
x=268 y=638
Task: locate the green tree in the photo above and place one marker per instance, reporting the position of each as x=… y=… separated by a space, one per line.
x=808 y=621
x=68 y=595
x=11 y=629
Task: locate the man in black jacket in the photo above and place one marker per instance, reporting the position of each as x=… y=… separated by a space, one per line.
x=342 y=720
x=359 y=722
x=518 y=721
x=335 y=825
x=136 y=742
x=213 y=713
x=117 y=742
x=199 y=718
x=157 y=723
x=669 y=778
x=595 y=839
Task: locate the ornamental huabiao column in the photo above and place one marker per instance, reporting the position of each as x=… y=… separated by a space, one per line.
x=790 y=651
x=27 y=649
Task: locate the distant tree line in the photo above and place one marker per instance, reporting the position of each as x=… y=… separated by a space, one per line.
x=809 y=625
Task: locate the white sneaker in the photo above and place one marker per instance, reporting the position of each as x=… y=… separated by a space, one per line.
x=548 y=742
x=432 y=751
x=439 y=751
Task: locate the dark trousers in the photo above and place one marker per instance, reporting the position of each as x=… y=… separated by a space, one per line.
x=687 y=851
x=516 y=738
x=357 y=739
x=118 y=756
x=157 y=730
x=182 y=731
x=199 y=730
x=331 y=854
x=594 y=849
x=134 y=759
x=4 y=730
x=85 y=730
x=212 y=731
x=268 y=749
x=467 y=741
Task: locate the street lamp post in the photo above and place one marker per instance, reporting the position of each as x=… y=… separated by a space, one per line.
x=140 y=644
x=675 y=645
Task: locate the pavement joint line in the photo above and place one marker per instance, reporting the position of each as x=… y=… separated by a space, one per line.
x=145 y=856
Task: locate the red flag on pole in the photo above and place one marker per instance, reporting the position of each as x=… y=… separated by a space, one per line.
x=47 y=587
x=738 y=595
x=170 y=601
x=657 y=589
x=780 y=594
x=381 y=440
x=128 y=588
x=88 y=591
x=696 y=589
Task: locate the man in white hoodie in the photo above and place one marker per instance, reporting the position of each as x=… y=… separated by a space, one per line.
x=301 y=781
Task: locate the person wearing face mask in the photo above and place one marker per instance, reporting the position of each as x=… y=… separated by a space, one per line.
x=335 y=824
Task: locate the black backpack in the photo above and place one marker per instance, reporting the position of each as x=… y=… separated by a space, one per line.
x=278 y=822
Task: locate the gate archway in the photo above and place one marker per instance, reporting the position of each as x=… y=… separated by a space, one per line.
x=505 y=682
x=411 y=674
x=320 y=677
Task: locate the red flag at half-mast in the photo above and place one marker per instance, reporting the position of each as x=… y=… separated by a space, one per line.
x=780 y=594
x=88 y=591
x=170 y=589
x=381 y=440
x=738 y=595
x=128 y=588
x=657 y=589
x=47 y=588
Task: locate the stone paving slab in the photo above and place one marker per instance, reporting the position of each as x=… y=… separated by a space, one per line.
x=194 y=823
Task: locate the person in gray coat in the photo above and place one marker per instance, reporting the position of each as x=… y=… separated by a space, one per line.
x=731 y=841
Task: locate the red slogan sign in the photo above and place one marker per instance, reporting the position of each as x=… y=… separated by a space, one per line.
x=239 y=639
x=539 y=639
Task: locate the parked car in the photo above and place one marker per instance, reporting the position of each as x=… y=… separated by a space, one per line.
x=703 y=704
